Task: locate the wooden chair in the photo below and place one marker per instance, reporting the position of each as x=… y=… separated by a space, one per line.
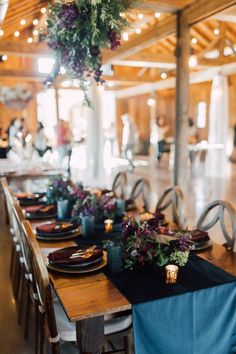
x=15 y=245
x=206 y=221
x=173 y=197
x=53 y=322
x=119 y=185
x=140 y=193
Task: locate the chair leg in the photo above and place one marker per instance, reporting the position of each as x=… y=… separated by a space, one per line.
x=36 y=321
x=27 y=312
x=21 y=297
x=12 y=260
x=17 y=277
x=41 y=335
x=128 y=344
x=55 y=348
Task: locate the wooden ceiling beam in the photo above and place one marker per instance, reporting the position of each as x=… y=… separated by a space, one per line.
x=171 y=6
x=25 y=50
x=196 y=12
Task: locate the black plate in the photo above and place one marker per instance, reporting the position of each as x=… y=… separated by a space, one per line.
x=39 y=216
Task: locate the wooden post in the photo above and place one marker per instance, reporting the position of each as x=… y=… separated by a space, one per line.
x=57 y=103
x=182 y=98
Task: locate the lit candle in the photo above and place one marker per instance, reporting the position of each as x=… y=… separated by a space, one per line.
x=108 y=225
x=171 y=273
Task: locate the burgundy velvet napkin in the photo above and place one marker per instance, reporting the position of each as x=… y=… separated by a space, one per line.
x=40 y=209
x=65 y=256
x=199 y=236
x=55 y=227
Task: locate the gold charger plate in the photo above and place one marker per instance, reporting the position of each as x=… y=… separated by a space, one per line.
x=89 y=269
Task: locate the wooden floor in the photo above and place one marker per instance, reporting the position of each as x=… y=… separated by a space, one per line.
x=199 y=191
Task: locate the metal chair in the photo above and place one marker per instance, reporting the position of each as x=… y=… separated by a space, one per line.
x=140 y=193
x=119 y=185
x=222 y=209
x=173 y=197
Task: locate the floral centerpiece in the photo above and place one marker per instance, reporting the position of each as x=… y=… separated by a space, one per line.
x=78 y=29
x=60 y=189
x=16 y=97
x=151 y=243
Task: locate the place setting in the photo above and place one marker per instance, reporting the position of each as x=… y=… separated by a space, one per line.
x=41 y=211
x=57 y=231
x=77 y=259
x=30 y=199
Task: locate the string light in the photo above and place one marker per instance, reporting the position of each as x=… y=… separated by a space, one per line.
x=35 y=22
x=125 y=36
x=157 y=14
x=35 y=32
x=43 y=10
x=194 y=40
x=216 y=31
x=163 y=75
x=4 y=57
x=1 y=33
x=193 y=61
x=17 y=34
x=23 y=22
x=138 y=30
x=140 y=16
x=151 y=102
x=30 y=40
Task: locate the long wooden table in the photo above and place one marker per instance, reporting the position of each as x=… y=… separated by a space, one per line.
x=86 y=299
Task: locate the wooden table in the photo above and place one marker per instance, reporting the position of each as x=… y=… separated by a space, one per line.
x=86 y=299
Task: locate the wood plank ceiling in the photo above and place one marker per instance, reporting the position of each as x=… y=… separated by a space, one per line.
x=212 y=37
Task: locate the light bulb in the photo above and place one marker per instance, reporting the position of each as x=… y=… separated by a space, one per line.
x=140 y=16
x=1 y=33
x=35 y=22
x=35 y=32
x=163 y=75
x=194 y=40
x=30 y=40
x=22 y=22
x=151 y=102
x=157 y=14
x=43 y=10
x=138 y=30
x=193 y=61
x=17 y=34
x=4 y=57
x=125 y=36
x=216 y=31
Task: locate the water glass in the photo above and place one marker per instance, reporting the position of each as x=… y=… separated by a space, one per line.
x=120 y=205
x=87 y=223
x=114 y=257
x=63 y=211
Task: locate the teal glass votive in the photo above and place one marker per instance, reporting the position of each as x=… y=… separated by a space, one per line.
x=87 y=223
x=62 y=209
x=114 y=257
x=50 y=195
x=120 y=205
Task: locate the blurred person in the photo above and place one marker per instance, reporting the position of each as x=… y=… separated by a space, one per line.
x=3 y=144
x=192 y=131
x=162 y=129
x=63 y=135
x=40 y=141
x=13 y=130
x=233 y=155
x=129 y=139
x=23 y=129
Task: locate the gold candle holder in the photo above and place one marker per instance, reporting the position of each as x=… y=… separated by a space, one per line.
x=171 y=273
x=108 y=224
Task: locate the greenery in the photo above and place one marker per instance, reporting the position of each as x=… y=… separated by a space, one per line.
x=151 y=243
x=78 y=30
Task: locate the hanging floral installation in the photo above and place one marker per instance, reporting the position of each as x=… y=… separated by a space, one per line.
x=16 y=97
x=78 y=30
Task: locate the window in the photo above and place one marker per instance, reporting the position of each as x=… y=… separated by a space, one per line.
x=45 y=65
x=201 y=114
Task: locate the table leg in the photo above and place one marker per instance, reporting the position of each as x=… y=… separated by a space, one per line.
x=90 y=335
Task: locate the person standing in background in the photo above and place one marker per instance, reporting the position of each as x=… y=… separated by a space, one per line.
x=129 y=139
x=40 y=142
x=63 y=135
x=13 y=130
x=233 y=155
x=161 y=132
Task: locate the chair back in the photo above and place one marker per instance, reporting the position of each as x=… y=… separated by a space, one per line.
x=140 y=193
x=223 y=209
x=9 y=199
x=119 y=185
x=41 y=284
x=173 y=197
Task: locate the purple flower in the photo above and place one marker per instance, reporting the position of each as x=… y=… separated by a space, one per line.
x=68 y=15
x=115 y=39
